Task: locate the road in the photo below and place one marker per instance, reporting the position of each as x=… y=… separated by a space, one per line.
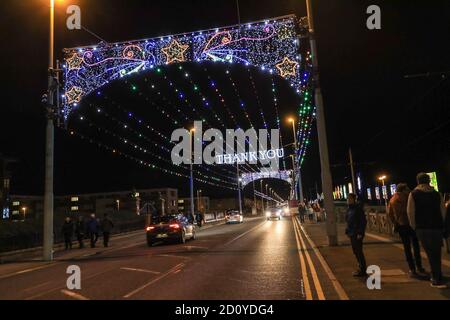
x=257 y=259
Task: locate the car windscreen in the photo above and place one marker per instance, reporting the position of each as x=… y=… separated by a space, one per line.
x=163 y=219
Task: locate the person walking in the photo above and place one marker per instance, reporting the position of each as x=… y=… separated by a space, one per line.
x=426 y=214
x=67 y=231
x=107 y=225
x=80 y=229
x=92 y=227
x=302 y=212
x=355 y=230
x=399 y=218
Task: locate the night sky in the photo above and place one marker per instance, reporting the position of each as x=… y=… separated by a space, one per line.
x=394 y=125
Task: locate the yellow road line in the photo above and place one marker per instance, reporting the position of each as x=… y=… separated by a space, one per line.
x=73 y=295
x=303 y=267
x=312 y=268
x=337 y=286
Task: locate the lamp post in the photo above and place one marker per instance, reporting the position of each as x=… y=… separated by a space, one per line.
x=384 y=194
x=297 y=177
x=191 y=177
x=262 y=199
x=47 y=244
x=199 y=192
x=327 y=184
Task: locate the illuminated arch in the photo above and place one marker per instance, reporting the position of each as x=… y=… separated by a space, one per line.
x=271 y=45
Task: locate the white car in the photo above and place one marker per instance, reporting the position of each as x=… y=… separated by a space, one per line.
x=233 y=216
x=273 y=213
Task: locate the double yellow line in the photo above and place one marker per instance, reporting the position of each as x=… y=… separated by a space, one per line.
x=303 y=252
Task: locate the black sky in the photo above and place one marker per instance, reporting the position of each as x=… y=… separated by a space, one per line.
x=394 y=125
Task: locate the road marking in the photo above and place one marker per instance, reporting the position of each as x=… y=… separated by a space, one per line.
x=29 y=270
x=312 y=268
x=194 y=247
x=140 y=270
x=336 y=284
x=243 y=234
x=303 y=267
x=73 y=295
x=177 y=267
x=423 y=254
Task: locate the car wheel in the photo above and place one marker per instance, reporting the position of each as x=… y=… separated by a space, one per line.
x=149 y=243
x=182 y=237
x=194 y=235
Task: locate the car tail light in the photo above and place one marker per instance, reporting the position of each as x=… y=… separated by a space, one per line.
x=175 y=226
x=150 y=228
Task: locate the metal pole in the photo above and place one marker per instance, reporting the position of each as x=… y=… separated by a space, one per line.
x=327 y=184
x=254 y=196
x=239 y=187
x=191 y=178
x=47 y=245
x=352 y=169
x=262 y=199
x=294 y=176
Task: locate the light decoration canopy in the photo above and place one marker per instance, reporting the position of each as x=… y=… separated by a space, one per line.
x=287 y=67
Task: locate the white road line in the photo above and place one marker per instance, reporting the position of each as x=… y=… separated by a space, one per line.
x=243 y=234
x=303 y=267
x=312 y=268
x=140 y=270
x=29 y=270
x=337 y=286
x=177 y=267
x=73 y=295
x=387 y=240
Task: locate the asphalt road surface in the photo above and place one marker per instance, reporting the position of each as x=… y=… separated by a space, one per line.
x=257 y=259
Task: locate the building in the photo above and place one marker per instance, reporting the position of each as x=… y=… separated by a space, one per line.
x=164 y=199
x=5 y=178
x=201 y=204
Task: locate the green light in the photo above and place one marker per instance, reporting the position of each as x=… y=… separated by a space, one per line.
x=195 y=88
x=158 y=70
x=134 y=88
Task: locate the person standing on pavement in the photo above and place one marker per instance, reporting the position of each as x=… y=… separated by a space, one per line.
x=355 y=230
x=67 y=231
x=426 y=214
x=302 y=212
x=92 y=227
x=80 y=229
x=106 y=226
x=399 y=217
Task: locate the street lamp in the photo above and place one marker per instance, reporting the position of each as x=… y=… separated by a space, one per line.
x=24 y=209
x=382 y=178
x=191 y=178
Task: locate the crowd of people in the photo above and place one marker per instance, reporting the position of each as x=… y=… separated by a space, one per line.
x=420 y=218
x=89 y=229
x=312 y=211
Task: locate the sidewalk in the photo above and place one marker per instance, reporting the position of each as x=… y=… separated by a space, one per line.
x=381 y=251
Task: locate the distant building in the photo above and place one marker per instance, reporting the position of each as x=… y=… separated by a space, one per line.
x=5 y=177
x=201 y=204
x=165 y=199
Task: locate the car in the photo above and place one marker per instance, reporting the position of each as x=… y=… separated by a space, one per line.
x=286 y=212
x=170 y=228
x=233 y=216
x=273 y=213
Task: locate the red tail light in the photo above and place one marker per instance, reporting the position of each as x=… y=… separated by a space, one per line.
x=175 y=226
x=150 y=228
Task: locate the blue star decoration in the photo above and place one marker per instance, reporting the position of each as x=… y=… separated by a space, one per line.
x=175 y=52
x=287 y=67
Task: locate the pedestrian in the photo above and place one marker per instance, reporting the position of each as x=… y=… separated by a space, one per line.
x=399 y=217
x=356 y=228
x=80 y=229
x=302 y=212
x=92 y=227
x=67 y=231
x=426 y=214
x=106 y=226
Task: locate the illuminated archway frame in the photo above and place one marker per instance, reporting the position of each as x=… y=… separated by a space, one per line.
x=272 y=45
x=248 y=177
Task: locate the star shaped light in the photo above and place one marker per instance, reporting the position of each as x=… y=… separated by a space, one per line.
x=74 y=95
x=74 y=62
x=175 y=51
x=287 y=67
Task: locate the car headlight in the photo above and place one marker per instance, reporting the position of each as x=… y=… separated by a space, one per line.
x=267 y=213
x=286 y=210
x=278 y=212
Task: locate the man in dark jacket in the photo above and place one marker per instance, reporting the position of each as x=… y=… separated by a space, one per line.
x=92 y=227
x=80 y=229
x=356 y=228
x=106 y=226
x=426 y=214
x=67 y=231
x=399 y=217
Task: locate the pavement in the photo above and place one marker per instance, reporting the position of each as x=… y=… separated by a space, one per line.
x=255 y=260
x=385 y=252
